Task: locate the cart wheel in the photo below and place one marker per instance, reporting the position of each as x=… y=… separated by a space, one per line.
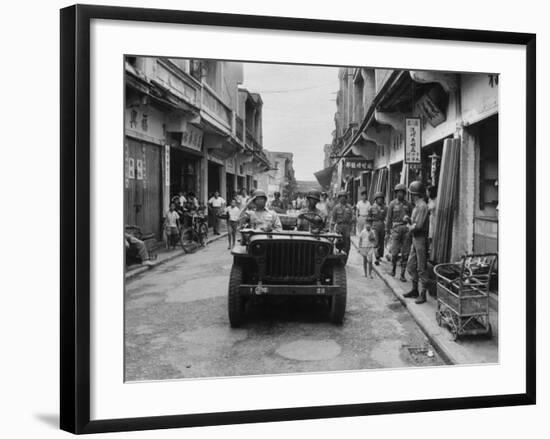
x=454 y=333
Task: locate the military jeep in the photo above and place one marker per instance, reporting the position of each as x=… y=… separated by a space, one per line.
x=287 y=263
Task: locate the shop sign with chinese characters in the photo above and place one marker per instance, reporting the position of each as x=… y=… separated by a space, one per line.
x=413 y=140
x=358 y=164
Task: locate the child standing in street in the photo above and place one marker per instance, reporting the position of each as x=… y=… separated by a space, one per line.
x=367 y=246
x=233 y=213
x=171 y=225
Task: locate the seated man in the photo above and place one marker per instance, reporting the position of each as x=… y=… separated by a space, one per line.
x=137 y=246
x=260 y=218
x=316 y=219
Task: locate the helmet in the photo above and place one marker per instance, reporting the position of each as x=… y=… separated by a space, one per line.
x=342 y=194
x=258 y=193
x=416 y=188
x=277 y=194
x=315 y=194
x=378 y=195
x=400 y=187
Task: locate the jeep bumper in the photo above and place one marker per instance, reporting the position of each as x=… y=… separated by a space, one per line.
x=291 y=290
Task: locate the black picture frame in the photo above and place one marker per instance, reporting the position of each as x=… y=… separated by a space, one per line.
x=75 y=217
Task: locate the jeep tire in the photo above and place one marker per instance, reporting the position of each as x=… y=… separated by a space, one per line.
x=235 y=302
x=338 y=302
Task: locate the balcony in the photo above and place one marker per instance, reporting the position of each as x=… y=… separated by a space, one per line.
x=215 y=107
x=251 y=141
x=239 y=129
x=180 y=83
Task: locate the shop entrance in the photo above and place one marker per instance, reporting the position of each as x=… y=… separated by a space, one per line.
x=230 y=181
x=486 y=210
x=184 y=171
x=143 y=187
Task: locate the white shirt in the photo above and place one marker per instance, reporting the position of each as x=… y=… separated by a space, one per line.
x=363 y=207
x=182 y=200
x=216 y=202
x=234 y=213
x=171 y=218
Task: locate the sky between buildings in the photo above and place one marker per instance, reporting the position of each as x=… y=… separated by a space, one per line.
x=298 y=110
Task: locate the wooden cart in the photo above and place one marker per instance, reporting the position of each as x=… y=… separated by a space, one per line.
x=463 y=295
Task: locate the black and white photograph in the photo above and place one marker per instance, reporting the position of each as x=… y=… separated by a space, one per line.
x=298 y=218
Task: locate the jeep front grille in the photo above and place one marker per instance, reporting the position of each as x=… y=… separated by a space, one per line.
x=290 y=261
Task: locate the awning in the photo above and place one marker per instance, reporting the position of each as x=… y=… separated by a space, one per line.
x=324 y=177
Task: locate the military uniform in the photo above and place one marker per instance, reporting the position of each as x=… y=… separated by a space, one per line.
x=266 y=220
x=342 y=219
x=396 y=224
x=416 y=265
x=377 y=214
x=307 y=226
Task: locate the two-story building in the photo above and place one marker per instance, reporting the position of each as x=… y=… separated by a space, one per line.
x=187 y=128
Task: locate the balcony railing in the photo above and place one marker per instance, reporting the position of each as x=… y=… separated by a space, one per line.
x=239 y=128
x=252 y=142
x=216 y=106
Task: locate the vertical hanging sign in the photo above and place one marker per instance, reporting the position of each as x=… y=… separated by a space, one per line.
x=413 y=140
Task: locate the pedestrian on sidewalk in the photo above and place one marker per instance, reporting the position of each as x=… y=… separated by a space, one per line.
x=341 y=221
x=367 y=247
x=398 y=209
x=362 y=211
x=233 y=213
x=172 y=226
x=216 y=204
x=418 y=227
x=377 y=214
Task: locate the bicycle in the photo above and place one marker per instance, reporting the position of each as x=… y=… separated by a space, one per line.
x=198 y=231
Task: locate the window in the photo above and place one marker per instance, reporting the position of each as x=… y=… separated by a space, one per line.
x=488 y=166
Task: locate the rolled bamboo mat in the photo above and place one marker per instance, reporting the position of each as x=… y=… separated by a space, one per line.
x=446 y=201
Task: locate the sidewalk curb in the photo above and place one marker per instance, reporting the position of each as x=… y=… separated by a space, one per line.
x=142 y=269
x=447 y=356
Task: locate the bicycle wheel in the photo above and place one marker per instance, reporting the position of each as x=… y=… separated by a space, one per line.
x=203 y=233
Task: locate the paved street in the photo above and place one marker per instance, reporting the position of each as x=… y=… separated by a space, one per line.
x=177 y=327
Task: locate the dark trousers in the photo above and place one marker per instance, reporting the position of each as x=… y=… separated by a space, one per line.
x=345 y=231
x=380 y=231
x=416 y=265
x=400 y=242
x=215 y=220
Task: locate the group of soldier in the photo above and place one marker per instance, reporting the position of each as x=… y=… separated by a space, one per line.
x=404 y=223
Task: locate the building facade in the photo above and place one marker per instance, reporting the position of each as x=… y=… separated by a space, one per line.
x=369 y=139
x=188 y=127
x=280 y=178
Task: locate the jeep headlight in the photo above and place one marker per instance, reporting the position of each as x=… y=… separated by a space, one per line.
x=322 y=251
x=256 y=249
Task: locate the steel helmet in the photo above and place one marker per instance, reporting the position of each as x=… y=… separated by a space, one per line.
x=416 y=188
x=400 y=187
x=258 y=193
x=378 y=195
x=314 y=194
x=342 y=194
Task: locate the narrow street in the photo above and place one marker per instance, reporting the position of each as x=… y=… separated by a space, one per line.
x=176 y=326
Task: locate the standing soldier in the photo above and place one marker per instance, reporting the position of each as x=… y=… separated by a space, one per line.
x=377 y=214
x=396 y=223
x=342 y=219
x=418 y=228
